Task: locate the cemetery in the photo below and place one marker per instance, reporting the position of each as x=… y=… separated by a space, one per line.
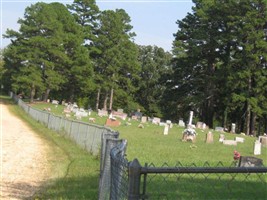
x=166 y=141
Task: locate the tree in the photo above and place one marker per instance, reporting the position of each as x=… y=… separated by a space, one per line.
x=46 y=47
x=155 y=66
x=116 y=65
x=220 y=53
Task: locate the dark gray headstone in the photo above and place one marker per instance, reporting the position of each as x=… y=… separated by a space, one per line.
x=248 y=161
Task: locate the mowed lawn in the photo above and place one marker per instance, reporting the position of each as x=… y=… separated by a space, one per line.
x=150 y=145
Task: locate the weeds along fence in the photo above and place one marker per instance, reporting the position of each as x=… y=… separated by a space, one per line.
x=121 y=179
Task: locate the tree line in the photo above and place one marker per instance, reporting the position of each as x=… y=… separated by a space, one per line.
x=76 y=52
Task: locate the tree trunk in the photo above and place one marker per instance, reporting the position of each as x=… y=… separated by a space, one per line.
x=105 y=101
x=97 y=99
x=111 y=99
x=248 y=116
x=253 y=124
x=265 y=124
x=248 y=111
x=46 y=94
x=71 y=98
x=32 y=93
x=225 y=115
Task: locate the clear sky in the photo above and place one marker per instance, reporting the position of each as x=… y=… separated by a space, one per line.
x=153 y=21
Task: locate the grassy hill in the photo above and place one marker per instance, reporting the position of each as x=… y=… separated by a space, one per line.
x=150 y=145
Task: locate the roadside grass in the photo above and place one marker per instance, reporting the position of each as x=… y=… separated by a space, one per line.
x=74 y=172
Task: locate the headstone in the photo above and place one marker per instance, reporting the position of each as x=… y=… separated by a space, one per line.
x=199 y=125
x=134 y=117
x=48 y=100
x=120 y=110
x=209 y=137
x=55 y=102
x=102 y=113
x=222 y=137
x=230 y=142
x=162 y=124
x=166 y=130
x=247 y=161
x=239 y=139
x=63 y=103
x=143 y=119
x=111 y=122
x=156 y=120
x=190 y=117
x=257 y=148
x=181 y=123
x=219 y=129
x=168 y=122
x=233 y=128
x=263 y=140
x=121 y=115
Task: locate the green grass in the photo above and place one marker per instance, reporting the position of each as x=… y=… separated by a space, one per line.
x=149 y=145
x=74 y=172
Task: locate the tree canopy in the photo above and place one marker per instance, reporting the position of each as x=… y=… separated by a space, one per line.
x=217 y=67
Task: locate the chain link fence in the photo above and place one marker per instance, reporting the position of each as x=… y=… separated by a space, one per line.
x=120 y=179
x=97 y=140
x=202 y=182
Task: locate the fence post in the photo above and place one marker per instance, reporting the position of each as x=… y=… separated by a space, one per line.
x=134 y=180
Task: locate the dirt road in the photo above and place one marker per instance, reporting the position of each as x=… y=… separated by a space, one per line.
x=23 y=158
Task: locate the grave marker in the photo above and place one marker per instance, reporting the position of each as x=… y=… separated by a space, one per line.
x=166 y=130
x=222 y=137
x=181 y=123
x=239 y=139
x=143 y=119
x=233 y=128
x=257 y=148
x=230 y=142
x=247 y=161
x=263 y=140
x=209 y=137
x=190 y=117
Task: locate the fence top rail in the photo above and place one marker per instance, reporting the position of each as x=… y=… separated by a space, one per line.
x=85 y=123
x=195 y=170
x=119 y=148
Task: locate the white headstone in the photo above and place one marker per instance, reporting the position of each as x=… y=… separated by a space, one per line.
x=239 y=139
x=221 y=139
x=257 y=148
x=230 y=142
x=181 y=123
x=166 y=130
x=190 y=117
x=143 y=119
x=233 y=128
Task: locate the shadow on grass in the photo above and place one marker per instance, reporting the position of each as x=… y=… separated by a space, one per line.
x=207 y=186
x=70 y=188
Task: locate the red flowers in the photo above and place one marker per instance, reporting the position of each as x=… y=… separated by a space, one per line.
x=236 y=155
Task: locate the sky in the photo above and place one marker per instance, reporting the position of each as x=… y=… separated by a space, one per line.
x=153 y=21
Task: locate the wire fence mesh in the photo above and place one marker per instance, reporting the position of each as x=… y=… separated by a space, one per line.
x=120 y=179
x=204 y=182
x=88 y=136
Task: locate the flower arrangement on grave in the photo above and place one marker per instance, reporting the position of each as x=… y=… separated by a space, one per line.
x=189 y=134
x=190 y=131
x=236 y=155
